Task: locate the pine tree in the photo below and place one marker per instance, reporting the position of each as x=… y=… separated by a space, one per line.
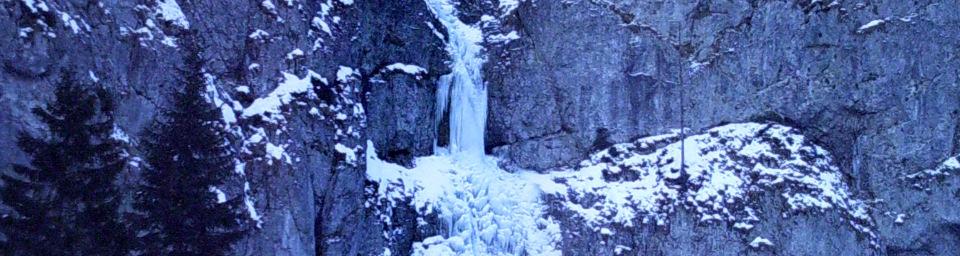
x=188 y=157
x=67 y=201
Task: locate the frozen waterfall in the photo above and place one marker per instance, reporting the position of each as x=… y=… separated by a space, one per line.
x=485 y=210
x=462 y=92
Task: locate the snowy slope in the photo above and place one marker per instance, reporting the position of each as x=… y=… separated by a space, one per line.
x=489 y=211
x=485 y=210
x=726 y=168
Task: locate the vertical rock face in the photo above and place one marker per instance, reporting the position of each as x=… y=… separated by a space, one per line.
x=305 y=187
x=877 y=83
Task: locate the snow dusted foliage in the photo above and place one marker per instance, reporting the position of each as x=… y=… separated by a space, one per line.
x=484 y=209
x=727 y=167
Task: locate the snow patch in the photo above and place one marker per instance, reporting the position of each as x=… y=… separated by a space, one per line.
x=345 y=74
x=251 y=210
x=277 y=152
x=70 y=22
x=870 y=26
x=93 y=77
x=169 y=10
x=501 y=38
x=318 y=23
x=269 y=106
x=407 y=68
x=229 y=116
x=350 y=154
x=760 y=241
x=951 y=164
x=36 y=6
x=508 y=6
x=119 y=135
x=296 y=53
x=901 y=218
x=221 y=197
x=259 y=34
x=269 y=6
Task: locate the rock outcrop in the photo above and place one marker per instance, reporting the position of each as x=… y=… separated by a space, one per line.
x=876 y=83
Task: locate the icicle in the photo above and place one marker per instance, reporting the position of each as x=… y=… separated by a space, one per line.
x=463 y=87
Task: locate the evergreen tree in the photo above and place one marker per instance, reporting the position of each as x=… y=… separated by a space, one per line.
x=67 y=201
x=188 y=156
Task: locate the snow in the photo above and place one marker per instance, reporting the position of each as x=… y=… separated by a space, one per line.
x=221 y=197
x=251 y=210
x=641 y=181
x=346 y=2
x=909 y=18
x=93 y=77
x=944 y=169
x=228 y=115
x=507 y=6
x=870 y=25
x=407 y=68
x=169 y=41
x=24 y=32
x=951 y=163
x=267 y=4
x=760 y=241
x=259 y=34
x=119 y=135
x=239 y=167
x=742 y=226
x=296 y=53
x=284 y=94
x=501 y=38
x=435 y=31
x=620 y=249
x=36 y=6
x=900 y=218
x=276 y=152
x=487 y=210
x=170 y=11
x=350 y=154
x=318 y=23
x=344 y=74
x=255 y=138
x=243 y=89
x=70 y=22
x=606 y=231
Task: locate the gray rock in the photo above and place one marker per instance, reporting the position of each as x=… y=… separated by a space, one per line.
x=317 y=201
x=885 y=101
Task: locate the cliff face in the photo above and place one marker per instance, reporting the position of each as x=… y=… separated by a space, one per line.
x=308 y=196
x=876 y=83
